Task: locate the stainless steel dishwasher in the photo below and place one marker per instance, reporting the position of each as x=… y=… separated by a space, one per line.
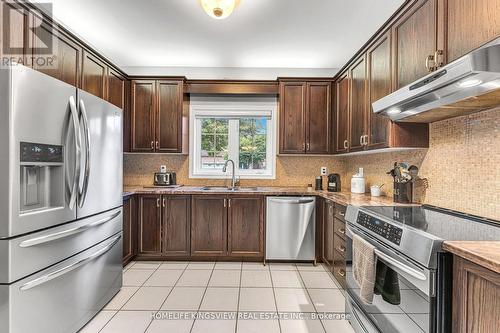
x=290 y=228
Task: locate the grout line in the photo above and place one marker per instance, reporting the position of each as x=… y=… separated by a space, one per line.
x=239 y=298
x=203 y=297
x=274 y=295
x=312 y=301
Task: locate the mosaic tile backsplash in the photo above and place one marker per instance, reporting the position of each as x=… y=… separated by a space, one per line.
x=462 y=166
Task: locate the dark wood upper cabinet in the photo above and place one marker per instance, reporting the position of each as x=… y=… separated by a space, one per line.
x=292 y=117
x=143 y=109
x=468 y=24
x=208 y=225
x=94 y=75
x=116 y=88
x=342 y=88
x=318 y=114
x=476 y=298
x=150 y=228
x=129 y=229
x=305 y=117
x=379 y=85
x=16 y=32
x=176 y=225
x=68 y=54
x=357 y=119
x=415 y=42
x=169 y=120
x=246 y=226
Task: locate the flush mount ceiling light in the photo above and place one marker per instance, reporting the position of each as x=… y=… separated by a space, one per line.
x=219 y=9
x=394 y=111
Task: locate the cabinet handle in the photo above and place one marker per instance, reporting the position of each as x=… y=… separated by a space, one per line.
x=437 y=55
x=157 y=145
x=229 y=203
x=303 y=146
x=225 y=202
x=361 y=140
x=158 y=202
x=341 y=230
x=346 y=144
x=366 y=139
x=341 y=272
x=308 y=147
x=152 y=145
x=341 y=248
x=428 y=60
x=164 y=204
x=342 y=214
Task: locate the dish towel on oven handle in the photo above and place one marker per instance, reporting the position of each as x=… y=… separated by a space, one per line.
x=364 y=267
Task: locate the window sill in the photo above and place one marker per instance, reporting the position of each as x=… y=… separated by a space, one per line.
x=211 y=176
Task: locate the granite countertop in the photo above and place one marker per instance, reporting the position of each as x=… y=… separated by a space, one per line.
x=343 y=198
x=483 y=253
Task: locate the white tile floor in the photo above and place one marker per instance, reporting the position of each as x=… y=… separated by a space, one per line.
x=192 y=297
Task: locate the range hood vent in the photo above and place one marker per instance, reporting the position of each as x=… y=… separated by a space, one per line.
x=464 y=86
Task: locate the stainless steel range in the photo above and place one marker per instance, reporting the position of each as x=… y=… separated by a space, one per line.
x=60 y=203
x=408 y=240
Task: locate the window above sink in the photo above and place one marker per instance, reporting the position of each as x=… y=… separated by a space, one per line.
x=242 y=129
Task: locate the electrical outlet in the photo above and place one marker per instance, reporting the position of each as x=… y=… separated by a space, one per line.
x=163 y=168
x=323 y=171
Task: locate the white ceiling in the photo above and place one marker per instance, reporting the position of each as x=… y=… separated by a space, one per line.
x=306 y=34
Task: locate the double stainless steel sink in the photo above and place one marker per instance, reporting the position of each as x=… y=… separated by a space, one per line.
x=227 y=189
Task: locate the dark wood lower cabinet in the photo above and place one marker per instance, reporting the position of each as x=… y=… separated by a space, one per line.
x=208 y=225
x=328 y=224
x=149 y=241
x=246 y=226
x=476 y=298
x=129 y=229
x=176 y=225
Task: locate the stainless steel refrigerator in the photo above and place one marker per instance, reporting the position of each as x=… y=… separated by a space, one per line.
x=60 y=203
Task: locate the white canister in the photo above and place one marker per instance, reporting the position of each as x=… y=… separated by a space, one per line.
x=358 y=182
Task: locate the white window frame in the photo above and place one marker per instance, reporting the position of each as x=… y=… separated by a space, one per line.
x=231 y=109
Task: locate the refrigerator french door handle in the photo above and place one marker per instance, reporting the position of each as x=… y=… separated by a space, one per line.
x=66 y=233
x=76 y=176
x=83 y=192
x=65 y=270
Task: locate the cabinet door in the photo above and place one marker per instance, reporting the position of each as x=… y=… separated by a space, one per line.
x=177 y=225
x=246 y=227
x=476 y=298
x=150 y=225
x=342 y=114
x=143 y=115
x=94 y=75
x=318 y=118
x=358 y=105
x=328 y=230
x=14 y=33
x=129 y=229
x=169 y=120
x=292 y=117
x=116 y=88
x=68 y=54
x=468 y=25
x=208 y=225
x=415 y=35
x=379 y=85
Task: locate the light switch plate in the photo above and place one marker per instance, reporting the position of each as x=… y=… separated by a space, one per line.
x=163 y=168
x=323 y=171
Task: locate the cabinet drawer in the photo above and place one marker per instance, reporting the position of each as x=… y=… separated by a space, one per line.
x=339 y=245
x=340 y=212
x=339 y=228
x=339 y=273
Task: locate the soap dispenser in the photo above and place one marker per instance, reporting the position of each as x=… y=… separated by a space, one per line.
x=358 y=182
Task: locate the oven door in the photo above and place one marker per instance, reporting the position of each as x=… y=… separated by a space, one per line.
x=414 y=313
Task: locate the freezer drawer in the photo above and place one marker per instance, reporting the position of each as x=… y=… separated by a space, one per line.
x=22 y=256
x=64 y=297
x=290 y=228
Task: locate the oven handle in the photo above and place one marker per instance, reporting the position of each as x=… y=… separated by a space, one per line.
x=396 y=264
x=69 y=268
x=400 y=266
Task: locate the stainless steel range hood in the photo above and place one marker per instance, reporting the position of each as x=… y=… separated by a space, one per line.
x=466 y=85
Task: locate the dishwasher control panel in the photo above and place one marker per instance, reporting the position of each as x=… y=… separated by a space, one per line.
x=381 y=228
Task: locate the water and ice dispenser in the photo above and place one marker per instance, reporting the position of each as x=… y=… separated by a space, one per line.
x=42 y=177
